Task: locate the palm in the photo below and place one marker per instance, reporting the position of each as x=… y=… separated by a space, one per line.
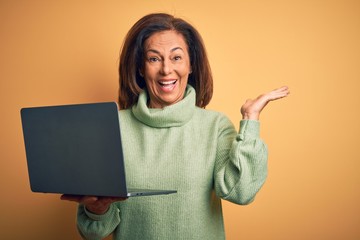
x=253 y=107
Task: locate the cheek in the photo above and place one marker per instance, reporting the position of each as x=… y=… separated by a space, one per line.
x=185 y=72
x=184 y=69
x=149 y=74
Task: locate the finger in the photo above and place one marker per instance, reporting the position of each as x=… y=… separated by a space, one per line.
x=111 y=199
x=278 y=93
x=73 y=198
x=88 y=199
x=283 y=88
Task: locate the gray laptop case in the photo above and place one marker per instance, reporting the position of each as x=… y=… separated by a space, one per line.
x=76 y=149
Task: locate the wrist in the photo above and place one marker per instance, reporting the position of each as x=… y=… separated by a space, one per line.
x=253 y=116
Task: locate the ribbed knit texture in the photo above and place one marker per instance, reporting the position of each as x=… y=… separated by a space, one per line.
x=195 y=151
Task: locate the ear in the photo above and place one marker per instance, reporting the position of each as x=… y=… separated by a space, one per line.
x=141 y=73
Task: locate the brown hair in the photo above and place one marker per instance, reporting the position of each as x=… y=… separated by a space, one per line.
x=132 y=58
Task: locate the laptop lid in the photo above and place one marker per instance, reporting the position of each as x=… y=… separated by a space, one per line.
x=76 y=149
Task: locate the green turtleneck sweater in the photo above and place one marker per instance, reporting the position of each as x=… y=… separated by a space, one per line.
x=195 y=151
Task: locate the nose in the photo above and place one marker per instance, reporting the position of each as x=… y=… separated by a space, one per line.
x=166 y=67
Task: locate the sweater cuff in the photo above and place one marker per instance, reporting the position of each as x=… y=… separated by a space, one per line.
x=97 y=217
x=249 y=129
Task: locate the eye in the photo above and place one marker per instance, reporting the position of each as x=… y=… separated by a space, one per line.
x=154 y=59
x=177 y=58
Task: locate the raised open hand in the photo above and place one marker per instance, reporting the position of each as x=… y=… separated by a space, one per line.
x=252 y=107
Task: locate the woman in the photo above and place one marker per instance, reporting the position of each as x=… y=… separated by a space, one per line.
x=172 y=142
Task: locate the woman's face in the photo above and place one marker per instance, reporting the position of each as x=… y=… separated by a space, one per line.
x=166 y=68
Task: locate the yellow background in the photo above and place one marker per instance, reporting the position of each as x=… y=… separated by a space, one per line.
x=60 y=52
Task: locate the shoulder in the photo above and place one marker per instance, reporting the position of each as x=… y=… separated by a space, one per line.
x=213 y=117
x=210 y=114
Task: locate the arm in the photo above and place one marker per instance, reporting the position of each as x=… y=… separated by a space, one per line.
x=241 y=161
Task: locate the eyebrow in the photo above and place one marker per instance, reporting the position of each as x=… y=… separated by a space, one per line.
x=156 y=51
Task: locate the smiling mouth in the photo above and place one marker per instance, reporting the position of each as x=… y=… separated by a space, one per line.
x=167 y=83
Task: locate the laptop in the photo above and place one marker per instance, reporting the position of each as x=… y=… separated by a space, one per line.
x=76 y=149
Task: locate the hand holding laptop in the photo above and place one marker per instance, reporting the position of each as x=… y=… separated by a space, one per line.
x=96 y=205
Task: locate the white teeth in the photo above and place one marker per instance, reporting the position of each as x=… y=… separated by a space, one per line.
x=167 y=82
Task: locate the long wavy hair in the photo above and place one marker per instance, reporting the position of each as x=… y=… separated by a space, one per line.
x=132 y=58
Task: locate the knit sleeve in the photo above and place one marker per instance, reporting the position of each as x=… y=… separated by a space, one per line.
x=97 y=227
x=241 y=162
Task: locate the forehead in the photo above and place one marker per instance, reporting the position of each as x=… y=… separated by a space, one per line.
x=166 y=40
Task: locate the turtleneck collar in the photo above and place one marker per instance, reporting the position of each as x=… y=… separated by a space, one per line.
x=171 y=116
